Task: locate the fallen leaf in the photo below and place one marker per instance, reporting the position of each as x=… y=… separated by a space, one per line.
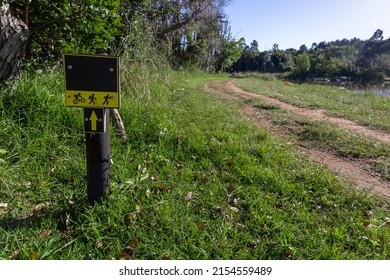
x=179 y=166
x=33 y=255
x=202 y=226
x=3 y=212
x=45 y=233
x=288 y=254
x=366 y=224
x=98 y=244
x=39 y=208
x=27 y=184
x=4 y=205
x=229 y=217
x=130 y=250
x=234 y=209
x=15 y=255
x=163 y=188
x=134 y=243
x=65 y=219
x=240 y=225
x=70 y=203
x=132 y=217
x=68 y=234
x=138 y=208
x=144 y=214
x=230 y=189
x=188 y=196
x=367 y=213
x=124 y=256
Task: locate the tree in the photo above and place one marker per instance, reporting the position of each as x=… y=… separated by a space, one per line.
x=87 y=26
x=231 y=52
x=303 y=48
x=191 y=33
x=378 y=35
x=302 y=63
x=254 y=48
x=13 y=38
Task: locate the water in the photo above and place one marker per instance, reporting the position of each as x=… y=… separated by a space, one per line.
x=377 y=91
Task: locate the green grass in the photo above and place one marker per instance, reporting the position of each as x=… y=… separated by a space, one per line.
x=193 y=181
x=365 y=108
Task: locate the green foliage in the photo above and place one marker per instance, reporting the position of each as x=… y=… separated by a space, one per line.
x=231 y=52
x=302 y=63
x=69 y=26
x=191 y=34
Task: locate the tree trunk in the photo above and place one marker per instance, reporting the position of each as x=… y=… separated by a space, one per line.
x=13 y=38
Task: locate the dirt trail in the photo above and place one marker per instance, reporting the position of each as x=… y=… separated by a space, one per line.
x=312 y=114
x=350 y=169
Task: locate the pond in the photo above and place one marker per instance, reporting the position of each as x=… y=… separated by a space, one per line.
x=377 y=91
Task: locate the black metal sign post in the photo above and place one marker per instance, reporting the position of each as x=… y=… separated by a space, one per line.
x=98 y=162
x=92 y=82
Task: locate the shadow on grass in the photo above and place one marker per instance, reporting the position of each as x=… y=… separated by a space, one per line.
x=38 y=216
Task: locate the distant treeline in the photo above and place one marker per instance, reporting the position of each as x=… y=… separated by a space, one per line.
x=355 y=60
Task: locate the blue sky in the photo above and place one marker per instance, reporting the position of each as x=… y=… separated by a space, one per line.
x=291 y=23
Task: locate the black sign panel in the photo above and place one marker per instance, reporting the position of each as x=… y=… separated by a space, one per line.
x=95 y=120
x=91 y=73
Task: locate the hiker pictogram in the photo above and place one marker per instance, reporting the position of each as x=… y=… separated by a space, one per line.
x=92 y=99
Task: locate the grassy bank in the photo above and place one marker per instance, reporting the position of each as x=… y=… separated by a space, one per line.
x=365 y=108
x=194 y=181
x=320 y=135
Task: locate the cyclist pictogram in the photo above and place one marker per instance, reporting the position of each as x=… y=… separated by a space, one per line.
x=78 y=98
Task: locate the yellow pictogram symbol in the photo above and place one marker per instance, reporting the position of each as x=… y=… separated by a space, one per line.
x=93 y=120
x=92 y=99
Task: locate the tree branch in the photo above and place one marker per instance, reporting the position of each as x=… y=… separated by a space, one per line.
x=181 y=24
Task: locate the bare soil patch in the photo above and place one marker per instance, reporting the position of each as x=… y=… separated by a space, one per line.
x=353 y=170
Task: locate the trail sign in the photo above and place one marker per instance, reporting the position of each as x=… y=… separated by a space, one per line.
x=95 y=120
x=92 y=81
